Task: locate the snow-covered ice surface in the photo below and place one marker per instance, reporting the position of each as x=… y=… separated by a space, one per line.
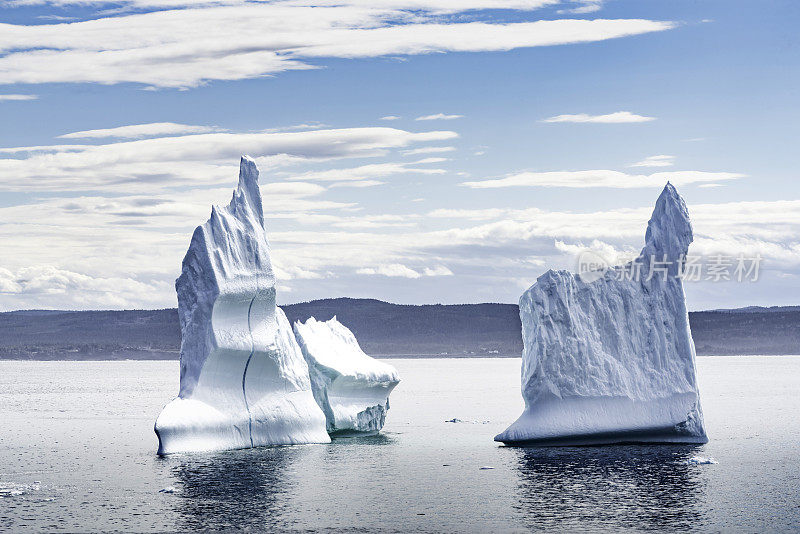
x=610 y=358
x=243 y=380
x=351 y=388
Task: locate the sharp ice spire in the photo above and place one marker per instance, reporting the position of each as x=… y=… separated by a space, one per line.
x=669 y=231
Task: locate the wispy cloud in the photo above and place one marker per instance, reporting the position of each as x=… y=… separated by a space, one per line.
x=391 y=118
x=13 y=98
x=618 y=117
x=139 y=131
x=602 y=178
x=438 y=117
x=366 y=172
x=43 y=285
x=432 y=6
x=429 y=150
x=583 y=7
x=661 y=160
x=199 y=160
x=402 y=271
x=486 y=247
x=249 y=40
x=165 y=48
x=358 y=183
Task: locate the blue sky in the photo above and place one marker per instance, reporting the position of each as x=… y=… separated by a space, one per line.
x=553 y=126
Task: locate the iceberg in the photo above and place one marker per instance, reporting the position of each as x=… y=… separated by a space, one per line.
x=701 y=460
x=351 y=388
x=608 y=355
x=243 y=379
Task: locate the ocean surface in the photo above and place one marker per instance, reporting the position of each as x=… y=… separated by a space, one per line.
x=77 y=453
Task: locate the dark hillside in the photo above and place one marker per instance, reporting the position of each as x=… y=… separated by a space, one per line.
x=383 y=329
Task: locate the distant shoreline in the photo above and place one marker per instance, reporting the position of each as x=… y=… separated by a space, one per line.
x=384 y=330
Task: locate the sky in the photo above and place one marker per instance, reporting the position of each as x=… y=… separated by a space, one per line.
x=414 y=151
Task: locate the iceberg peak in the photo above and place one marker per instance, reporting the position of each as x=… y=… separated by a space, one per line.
x=247 y=191
x=669 y=231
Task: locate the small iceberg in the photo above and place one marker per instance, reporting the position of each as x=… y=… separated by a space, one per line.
x=350 y=387
x=701 y=460
x=457 y=420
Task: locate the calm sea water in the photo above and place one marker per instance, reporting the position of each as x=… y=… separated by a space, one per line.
x=77 y=453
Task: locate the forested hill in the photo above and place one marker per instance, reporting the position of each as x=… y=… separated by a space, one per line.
x=383 y=329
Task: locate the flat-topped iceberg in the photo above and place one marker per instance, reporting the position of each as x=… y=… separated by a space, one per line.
x=609 y=356
x=244 y=381
x=351 y=388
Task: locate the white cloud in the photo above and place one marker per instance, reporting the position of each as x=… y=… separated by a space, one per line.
x=188 y=47
x=11 y=97
x=43 y=285
x=297 y=127
x=602 y=178
x=661 y=160
x=471 y=214
x=433 y=6
x=429 y=150
x=322 y=240
x=393 y=270
x=402 y=271
x=294 y=273
x=428 y=161
x=358 y=183
x=42 y=148
x=138 y=131
x=390 y=118
x=198 y=160
x=366 y=172
x=439 y=270
x=609 y=118
x=583 y=7
x=438 y=117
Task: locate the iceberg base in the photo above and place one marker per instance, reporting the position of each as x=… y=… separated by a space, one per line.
x=188 y=425
x=352 y=418
x=557 y=421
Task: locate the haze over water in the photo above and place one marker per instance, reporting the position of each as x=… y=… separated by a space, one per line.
x=77 y=452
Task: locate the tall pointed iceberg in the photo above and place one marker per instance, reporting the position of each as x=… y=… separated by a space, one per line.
x=609 y=357
x=244 y=381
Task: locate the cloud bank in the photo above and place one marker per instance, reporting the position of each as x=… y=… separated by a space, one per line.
x=183 y=48
x=619 y=117
x=602 y=178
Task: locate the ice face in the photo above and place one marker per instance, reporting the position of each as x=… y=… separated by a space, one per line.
x=244 y=381
x=351 y=388
x=611 y=358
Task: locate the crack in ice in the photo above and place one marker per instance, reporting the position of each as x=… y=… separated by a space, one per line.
x=246 y=366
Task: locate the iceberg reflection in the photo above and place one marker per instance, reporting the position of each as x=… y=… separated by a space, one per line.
x=237 y=490
x=642 y=487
